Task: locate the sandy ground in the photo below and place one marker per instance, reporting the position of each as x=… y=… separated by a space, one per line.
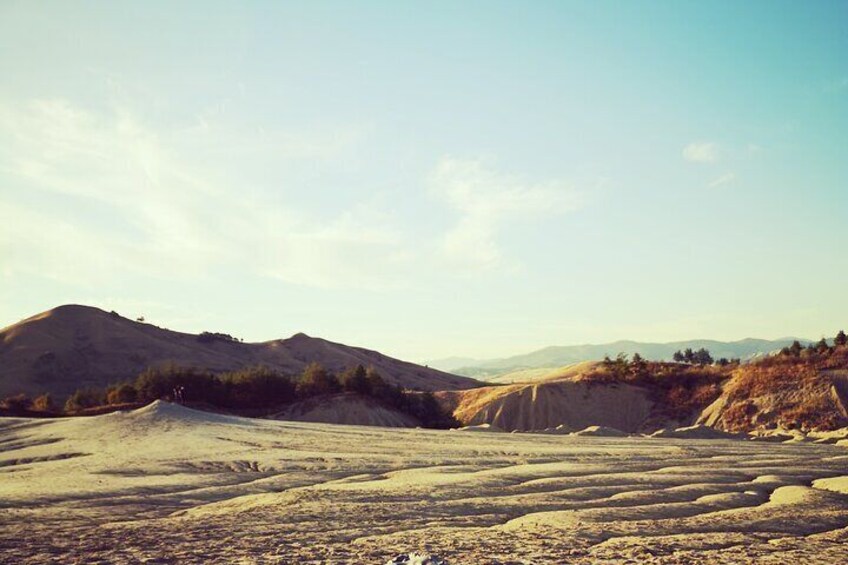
x=169 y=485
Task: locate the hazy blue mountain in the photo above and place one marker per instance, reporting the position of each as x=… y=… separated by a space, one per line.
x=557 y=356
x=450 y=363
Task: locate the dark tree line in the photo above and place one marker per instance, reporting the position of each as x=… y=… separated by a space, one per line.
x=210 y=337
x=623 y=365
x=821 y=347
x=690 y=357
x=260 y=388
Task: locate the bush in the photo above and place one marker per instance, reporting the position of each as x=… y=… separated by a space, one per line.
x=356 y=380
x=43 y=403
x=193 y=385
x=82 y=399
x=211 y=337
x=257 y=387
x=429 y=412
x=16 y=404
x=122 y=394
x=316 y=380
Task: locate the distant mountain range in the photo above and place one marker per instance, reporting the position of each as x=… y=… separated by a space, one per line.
x=558 y=356
x=73 y=346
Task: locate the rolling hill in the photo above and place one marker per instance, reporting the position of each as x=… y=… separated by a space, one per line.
x=75 y=346
x=558 y=356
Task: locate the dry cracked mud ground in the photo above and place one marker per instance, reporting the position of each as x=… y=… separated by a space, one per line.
x=165 y=484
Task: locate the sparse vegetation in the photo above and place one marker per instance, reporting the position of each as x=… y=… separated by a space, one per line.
x=82 y=399
x=43 y=403
x=678 y=389
x=16 y=404
x=795 y=383
x=690 y=357
x=211 y=337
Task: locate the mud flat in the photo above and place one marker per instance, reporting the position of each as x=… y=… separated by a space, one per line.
x=166 y=484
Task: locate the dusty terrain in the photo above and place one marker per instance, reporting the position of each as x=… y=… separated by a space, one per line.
x=166 y=484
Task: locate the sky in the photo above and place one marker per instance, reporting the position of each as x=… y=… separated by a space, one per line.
x=429 y=179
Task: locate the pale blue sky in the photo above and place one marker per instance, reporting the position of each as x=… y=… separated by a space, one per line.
x=429 y=179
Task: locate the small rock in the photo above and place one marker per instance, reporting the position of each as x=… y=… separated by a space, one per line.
x=416 y=558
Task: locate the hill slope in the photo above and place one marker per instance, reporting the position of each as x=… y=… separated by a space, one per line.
x=348 y=409
x=75 y=346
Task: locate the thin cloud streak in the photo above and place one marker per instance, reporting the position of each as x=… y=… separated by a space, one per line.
x=701 y=152
x=724 y=179
x=485 y=201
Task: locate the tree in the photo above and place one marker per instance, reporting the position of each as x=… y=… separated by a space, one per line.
x=316 y=380
x=43 y=403
x=689 y=355
x=841 y=339
x=121 y=394
x=822 y=346
x=195 y=385
x=82 y=399
x=638 y=366
x=17 y=404
x=702 y=357
x=427 y=410
x=257 y=387
x=678 y=357
x=356 y=380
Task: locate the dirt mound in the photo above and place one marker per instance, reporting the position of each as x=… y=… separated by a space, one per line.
x=695 y=432
x=572 y=404
x=478 y=428
x=162 y=411
x=351 y=409
x=600 y=431
x=73 y=347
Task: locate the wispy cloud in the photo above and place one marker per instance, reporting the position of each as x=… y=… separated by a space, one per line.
x=701 y=152
x=94 y=196
x=362 y=248
x=726 y=178
x=138 y=199
x=486 y=200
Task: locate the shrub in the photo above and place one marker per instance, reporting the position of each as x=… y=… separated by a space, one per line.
x=122 y=394
x=356 y=380
x=82 y=399
x=257 y=387
x=16 y=404
x=210 y=337
x=428 y=411
x=195 y=385
x=316 y=380
x=43 y=403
